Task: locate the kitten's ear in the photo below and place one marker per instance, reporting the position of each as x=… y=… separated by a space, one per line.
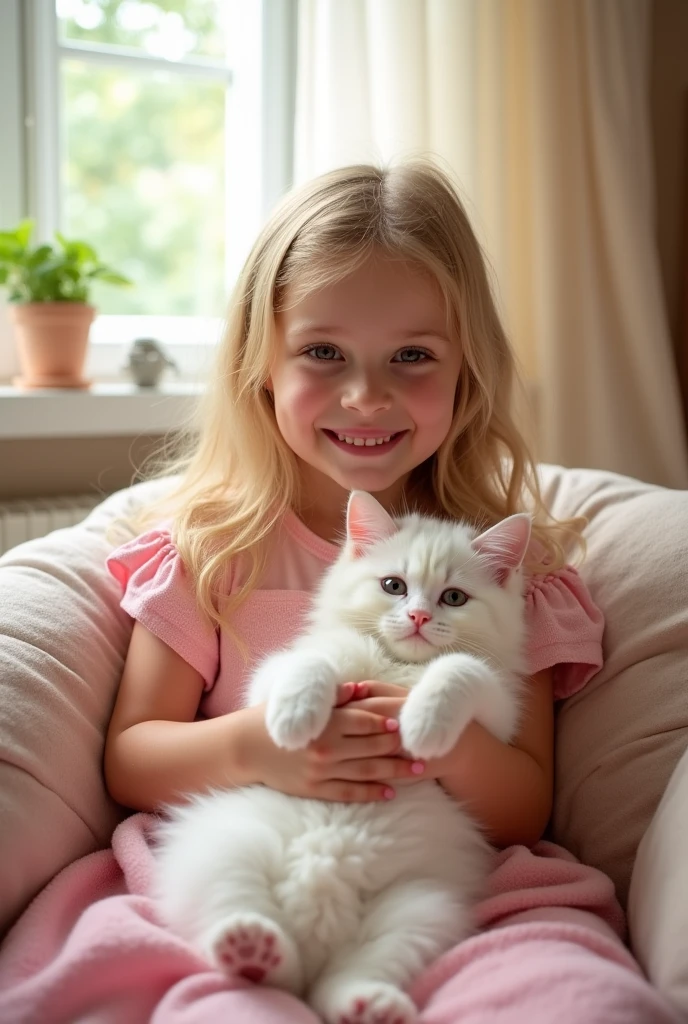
x=505 y=545
x=366 y=523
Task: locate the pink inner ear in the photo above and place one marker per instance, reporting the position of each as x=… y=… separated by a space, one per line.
x=366 y=522
x=505 y=545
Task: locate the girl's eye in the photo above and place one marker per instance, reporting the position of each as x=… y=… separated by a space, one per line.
x=325 y=353
x=393 y=585
x=454 y=598
x=412 y=355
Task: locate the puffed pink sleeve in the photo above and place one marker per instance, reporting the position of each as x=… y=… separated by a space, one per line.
x=565 y=630
x=157 y=593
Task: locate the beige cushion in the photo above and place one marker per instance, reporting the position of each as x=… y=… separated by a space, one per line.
x=658 y=900
x=63 y=639
x=620 y=738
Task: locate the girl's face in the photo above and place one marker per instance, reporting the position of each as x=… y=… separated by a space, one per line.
x=364 y=381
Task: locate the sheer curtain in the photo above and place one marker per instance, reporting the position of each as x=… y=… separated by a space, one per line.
x=541 y=112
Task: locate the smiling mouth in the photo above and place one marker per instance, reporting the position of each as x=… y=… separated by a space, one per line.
x=367 y=445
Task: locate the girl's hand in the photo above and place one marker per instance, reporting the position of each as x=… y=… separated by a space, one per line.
x=352 y=761
x=387 y=699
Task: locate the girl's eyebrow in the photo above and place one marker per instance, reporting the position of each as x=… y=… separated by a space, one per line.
x=430 y=333
x=310 y=327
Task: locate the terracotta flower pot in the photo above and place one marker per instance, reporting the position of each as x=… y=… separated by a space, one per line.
x=52 y=339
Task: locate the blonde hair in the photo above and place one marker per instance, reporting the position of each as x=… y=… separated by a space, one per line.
x=239 y=477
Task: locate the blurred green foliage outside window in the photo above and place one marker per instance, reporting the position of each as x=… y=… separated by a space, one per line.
x=144 y=149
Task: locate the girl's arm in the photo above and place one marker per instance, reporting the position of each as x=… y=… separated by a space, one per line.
x=507 y=787
x=156 y=753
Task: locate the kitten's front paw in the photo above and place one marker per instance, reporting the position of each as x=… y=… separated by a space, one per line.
x=298 y=713
x=428 y=728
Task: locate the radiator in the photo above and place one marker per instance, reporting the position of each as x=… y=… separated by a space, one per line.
x=24 y=519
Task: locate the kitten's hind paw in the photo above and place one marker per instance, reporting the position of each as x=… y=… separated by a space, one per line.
x=364 y=1002
x=251 y=946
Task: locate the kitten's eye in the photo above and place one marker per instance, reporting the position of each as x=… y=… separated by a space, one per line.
x=393 y=585
x=454 y=598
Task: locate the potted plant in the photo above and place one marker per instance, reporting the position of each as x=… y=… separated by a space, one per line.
x=48 y=288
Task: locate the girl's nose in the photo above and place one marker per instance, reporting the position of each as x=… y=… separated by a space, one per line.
x=367 y=397
x=419 y=617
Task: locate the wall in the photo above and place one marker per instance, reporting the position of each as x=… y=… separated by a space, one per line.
x=31 y=468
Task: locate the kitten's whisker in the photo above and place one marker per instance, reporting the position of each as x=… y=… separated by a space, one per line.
x=473 y=647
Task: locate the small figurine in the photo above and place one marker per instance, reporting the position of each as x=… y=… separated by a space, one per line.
x=147 y=361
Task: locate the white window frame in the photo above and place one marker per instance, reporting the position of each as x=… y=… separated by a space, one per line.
x=260 y=115
x=13 y=195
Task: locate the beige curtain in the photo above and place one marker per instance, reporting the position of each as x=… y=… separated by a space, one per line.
x=540 y=108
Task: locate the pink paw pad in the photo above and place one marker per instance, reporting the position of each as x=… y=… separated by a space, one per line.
x=360 y=1013
x=381 y=1005
x=248 y=951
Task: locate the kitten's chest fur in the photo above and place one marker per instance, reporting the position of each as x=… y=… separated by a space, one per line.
x=363 y=657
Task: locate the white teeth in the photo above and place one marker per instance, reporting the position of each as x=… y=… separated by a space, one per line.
x=364 y=442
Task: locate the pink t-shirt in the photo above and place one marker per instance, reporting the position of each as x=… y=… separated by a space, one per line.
x=565 y=626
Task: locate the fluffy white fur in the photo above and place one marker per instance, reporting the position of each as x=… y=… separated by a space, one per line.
x=345 y=904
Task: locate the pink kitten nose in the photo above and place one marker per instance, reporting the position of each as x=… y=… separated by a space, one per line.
x=419 y=617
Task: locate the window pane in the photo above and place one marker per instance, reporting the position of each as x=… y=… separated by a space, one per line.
x=143 y=182
x=173 y=29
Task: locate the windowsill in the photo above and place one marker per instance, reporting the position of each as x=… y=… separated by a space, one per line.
x=106 y=409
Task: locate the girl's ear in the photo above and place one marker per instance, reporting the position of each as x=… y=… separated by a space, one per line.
x=366 y=523
x=504 y=546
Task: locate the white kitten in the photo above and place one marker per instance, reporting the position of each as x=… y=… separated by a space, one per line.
x=346 y=903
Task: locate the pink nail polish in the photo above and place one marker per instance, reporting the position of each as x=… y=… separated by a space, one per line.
x=391 y=725
x=417 y=767
x=389 y=793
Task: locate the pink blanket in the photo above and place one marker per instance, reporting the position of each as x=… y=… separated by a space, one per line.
x=89 y=947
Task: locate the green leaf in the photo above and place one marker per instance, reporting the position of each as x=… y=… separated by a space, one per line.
x=24 y=231
x=50 y=266
x=10 y=249
x=10 y=238
x=47 y=274
x=81 y=252
x=39 y=255
x=102 y=273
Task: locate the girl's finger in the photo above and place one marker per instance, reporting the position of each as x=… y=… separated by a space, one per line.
x=386 y=707
x=354 y=792
x=339 y=750
x=377 y=769
x=375 y=688
x=354 y=721
x=345 y=693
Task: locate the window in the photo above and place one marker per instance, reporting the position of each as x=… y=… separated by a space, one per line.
x=160 y=131
x=142 y=108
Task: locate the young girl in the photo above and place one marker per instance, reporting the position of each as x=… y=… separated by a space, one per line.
x=363 y=351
